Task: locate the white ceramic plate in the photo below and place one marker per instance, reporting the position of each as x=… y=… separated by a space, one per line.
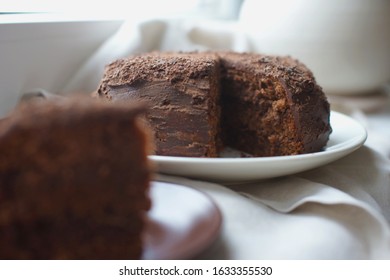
x=347 y=136
x=181 y=224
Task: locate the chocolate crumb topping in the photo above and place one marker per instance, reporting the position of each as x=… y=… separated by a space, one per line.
x=201 y=101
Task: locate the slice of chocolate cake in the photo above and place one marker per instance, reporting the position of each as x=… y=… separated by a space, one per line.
x=74 y=181
x=272 y=106
x=182 y=90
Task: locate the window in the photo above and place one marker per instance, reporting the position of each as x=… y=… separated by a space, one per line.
x=122 y=9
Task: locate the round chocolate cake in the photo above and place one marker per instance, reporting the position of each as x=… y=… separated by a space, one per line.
x=201 y=102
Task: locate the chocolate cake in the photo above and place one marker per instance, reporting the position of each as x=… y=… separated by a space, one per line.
x=74 y=178
x=201 y=102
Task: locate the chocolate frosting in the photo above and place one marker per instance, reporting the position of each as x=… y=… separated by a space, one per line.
x=180 y=93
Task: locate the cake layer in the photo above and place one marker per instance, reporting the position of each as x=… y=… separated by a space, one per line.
x=74 y=180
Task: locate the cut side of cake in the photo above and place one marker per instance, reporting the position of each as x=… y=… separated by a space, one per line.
x=201 y=102
x=271 y=106
x=74 y=180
